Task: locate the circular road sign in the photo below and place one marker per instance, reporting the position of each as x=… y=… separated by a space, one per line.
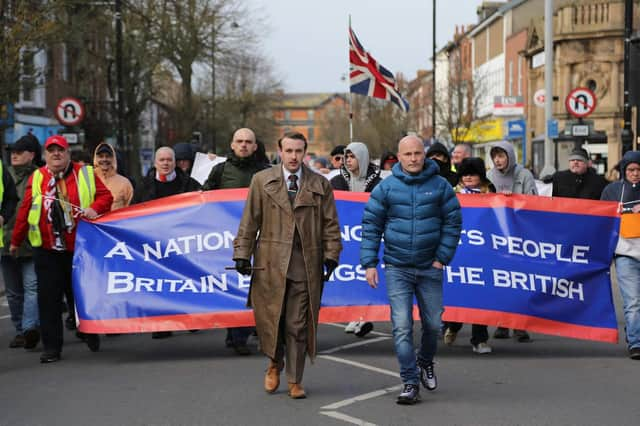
x=580 y=102
x=69 y=111
x=538 y=98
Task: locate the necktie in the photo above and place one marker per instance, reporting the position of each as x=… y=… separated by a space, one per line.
x=293 y=187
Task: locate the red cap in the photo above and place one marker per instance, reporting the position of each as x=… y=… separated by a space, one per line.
x=56 y=140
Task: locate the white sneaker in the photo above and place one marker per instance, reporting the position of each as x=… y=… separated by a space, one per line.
x=482 y=348
x=363 y=328
x=351 y=327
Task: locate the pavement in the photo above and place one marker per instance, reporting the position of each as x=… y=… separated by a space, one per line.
x=193 y=379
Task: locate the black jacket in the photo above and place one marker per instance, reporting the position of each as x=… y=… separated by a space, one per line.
x=587 y=186
x=151 y=189
x=341 y=181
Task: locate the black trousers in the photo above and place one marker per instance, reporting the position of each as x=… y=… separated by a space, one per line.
x=479 y=333
x=53 y=269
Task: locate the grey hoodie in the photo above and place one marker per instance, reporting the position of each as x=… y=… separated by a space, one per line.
x=515 y=178
x=361 y=152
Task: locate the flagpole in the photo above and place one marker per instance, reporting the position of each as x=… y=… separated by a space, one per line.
x=350 y=94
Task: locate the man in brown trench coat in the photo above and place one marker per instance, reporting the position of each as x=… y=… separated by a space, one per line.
x=290 y=226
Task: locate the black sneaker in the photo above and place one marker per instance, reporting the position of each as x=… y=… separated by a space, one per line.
x=521 y=336
x=363 y=329
x=410 y=395
x=161 y=334
x=501 y=333
x=70 y=323
x=49 y=357
x=428 y=376
x=634 y=353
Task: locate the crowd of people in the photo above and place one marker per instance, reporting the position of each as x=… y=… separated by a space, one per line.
x=43 y=201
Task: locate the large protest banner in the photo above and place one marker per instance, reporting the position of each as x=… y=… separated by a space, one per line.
x=523 y=262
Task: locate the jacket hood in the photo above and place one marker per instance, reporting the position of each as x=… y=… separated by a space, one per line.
x=438 y=148
x=628 y=158
x=114 y=165
x=361 y=153
x=508 y=148
x=430 y=169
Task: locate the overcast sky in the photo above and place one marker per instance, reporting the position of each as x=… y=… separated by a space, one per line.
x=308 y=40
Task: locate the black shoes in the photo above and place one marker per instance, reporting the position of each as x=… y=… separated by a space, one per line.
x=521 y=336
x=501 y=333
x=410 y=395
x=31 y=338
x=363 y=328
x=17 y=341
x=93 y=342
x=634 y=353
x=161 y=334
x=49 y=357
x=241 y=349
x=70 y=323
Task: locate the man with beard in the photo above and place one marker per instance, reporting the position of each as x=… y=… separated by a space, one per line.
x=242 y=163
x=580 y=180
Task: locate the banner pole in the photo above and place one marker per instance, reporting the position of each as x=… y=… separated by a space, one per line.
x=350 y=94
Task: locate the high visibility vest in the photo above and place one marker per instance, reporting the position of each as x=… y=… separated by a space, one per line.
x=1 y=199
x=86 y=191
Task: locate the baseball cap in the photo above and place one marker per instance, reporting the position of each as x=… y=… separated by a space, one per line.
x=579 y=154
x=104 y=149
x=24 y=144
x=61 y=141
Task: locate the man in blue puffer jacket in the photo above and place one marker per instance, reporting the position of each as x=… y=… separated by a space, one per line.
x=418 y=214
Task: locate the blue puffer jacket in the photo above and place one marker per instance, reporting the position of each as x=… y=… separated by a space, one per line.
x=419 y=217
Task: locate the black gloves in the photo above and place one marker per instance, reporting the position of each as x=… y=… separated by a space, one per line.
x=329 y=266
x=243 y=266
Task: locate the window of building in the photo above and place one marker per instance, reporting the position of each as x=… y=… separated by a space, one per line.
x=310 y=134
x=27 y=77
x=287 y=115
x=310 y=114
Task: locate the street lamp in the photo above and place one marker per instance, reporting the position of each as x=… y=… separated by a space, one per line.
x=233 y=25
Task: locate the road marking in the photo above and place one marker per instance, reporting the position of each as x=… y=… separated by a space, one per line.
x=337 y=324
x=345 y=418
x=360 y=398
x=5 y=316
x=361 y=365
x=354 y=345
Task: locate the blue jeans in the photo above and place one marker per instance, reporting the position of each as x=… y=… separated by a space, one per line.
x=628 y=273
x=426 y=284
x=20 y=281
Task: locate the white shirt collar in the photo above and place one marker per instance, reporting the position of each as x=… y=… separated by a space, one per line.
x=287 y=173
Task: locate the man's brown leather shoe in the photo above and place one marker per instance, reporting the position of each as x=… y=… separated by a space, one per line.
x=296 y=391
x=272 y=378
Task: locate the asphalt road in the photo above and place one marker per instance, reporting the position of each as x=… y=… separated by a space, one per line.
x=192 y=379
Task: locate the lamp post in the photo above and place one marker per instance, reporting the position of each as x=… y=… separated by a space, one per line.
x=433 y=83
x=119 y=80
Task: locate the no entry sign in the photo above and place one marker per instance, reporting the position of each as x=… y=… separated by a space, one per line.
x=580 y=102
x=69 y=111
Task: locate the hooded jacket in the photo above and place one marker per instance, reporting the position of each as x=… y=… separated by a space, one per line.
x=367 y=178
x=119 y=186
x=625 y=192
x=151 y=189
x=515 y=179
x=419 y=217
x=444 y=167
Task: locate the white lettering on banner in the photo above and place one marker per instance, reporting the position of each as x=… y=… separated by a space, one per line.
x=348 y=273
x=473 y=237
x=466 y=275
x=119 y=249
x=554 y=286
x=185 y=245
x=539 y=249
x=351 y=233
x=126 y=282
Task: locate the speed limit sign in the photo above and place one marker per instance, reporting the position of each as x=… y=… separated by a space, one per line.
x=69 y=111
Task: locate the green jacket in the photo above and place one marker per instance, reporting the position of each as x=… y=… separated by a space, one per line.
x=20 y=176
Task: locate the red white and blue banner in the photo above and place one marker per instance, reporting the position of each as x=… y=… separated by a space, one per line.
x=525 y=262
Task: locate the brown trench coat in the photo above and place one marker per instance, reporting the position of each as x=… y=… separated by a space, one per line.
x=269 y=217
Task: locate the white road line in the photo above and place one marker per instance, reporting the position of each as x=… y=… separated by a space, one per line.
x=354 y=345
x=345 y=418
x=363 y=397
x=361 y=365
x=5 y=316
x=337 y=324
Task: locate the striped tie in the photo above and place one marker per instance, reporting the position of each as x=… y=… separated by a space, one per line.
x=293 y=187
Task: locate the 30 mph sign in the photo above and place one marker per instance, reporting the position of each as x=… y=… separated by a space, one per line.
x=580 y=102
x=69 y=111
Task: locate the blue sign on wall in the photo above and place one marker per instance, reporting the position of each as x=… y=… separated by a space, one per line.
x=552 y=128
x=516 y=129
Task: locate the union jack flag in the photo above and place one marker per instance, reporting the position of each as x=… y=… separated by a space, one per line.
x=369 y=78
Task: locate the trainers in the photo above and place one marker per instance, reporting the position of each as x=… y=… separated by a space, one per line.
x=70 y=323
x=93 y=342
x=449 y=336
x=634 y=353
x=501 y=333
x=481 y=348
x=410 y=395
x=351 y=327
x=363 y=329
x=428 y=376
x=17 y=341
x=521 y=336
